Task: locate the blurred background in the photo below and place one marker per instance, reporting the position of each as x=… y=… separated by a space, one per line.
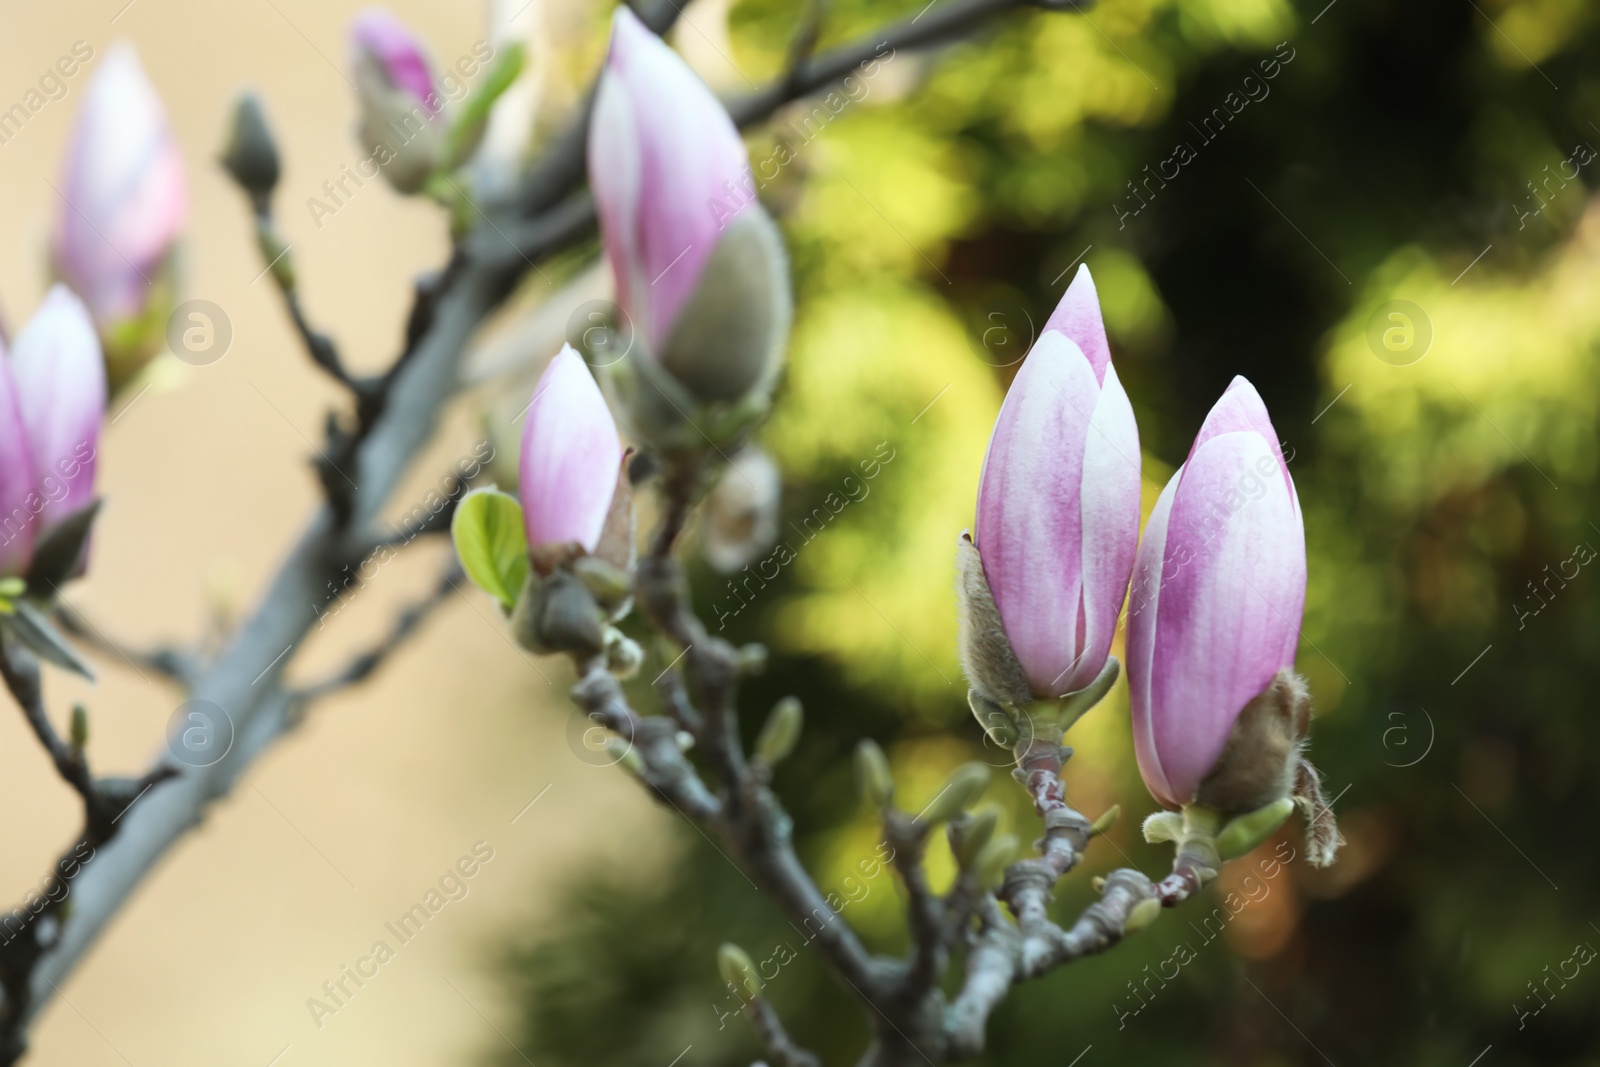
x=1257 y=186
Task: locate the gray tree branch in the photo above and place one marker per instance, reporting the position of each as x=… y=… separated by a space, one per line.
x=551 y=211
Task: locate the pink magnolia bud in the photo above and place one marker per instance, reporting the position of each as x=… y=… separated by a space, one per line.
x=571 y=456
x=52 y=399
x=18 y=530
x=1058 y=502
x=660 y=148
x=399 y=103
x=1217 y=597
x=123 y=203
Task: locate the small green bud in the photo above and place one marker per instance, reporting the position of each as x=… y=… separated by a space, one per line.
x=609 y=584
x=1246 y=831
x=752 y=659
x=738 y=970
x=1141 y=915
x=968 y=836
x=997 y=723
x=251 y=155
x=1075 y=705
x=1098 y=884
x=993 y=858
x=623 y=752
x=872 y=774
x=1163 y=826
x=1106 y=820
x=960 y=791
x=623 y=654
x=80 y=727
x=781 y=731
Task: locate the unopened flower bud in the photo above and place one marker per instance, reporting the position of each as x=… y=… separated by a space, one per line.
x=781 y=732
x=623 y=654
x=1219 y=716
x=124 y=199
x=738 y=970
x=1043 y=577
x=52 y=401
x=993 y=859
x=872 y=774
x=80 y=727
x=969 y=835
x=251 y=155
x=1142 y=915
x=571 y=462
x=400 y=121
x=753 y=659
x=960 y=791
x=705 y=282
x=741 y=512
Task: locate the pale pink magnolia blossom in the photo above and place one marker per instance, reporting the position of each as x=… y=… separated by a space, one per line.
x=400 y=105
x=52 y=400
x=1058 y=500
x=124 y=197
x=1218 y=593
x=377 y=36
x=571 y=456
x=663 y=158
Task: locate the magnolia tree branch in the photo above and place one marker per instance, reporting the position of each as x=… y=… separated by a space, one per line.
x=912 y=1018
x=395 y=415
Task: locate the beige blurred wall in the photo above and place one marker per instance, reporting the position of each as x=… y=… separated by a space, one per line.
x=353 y=819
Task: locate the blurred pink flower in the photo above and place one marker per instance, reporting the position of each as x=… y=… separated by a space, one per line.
x=663 y=157
x=1058 y=501
x=124 y=198
x=400 y=106
x=1218 y=593
x=571 y=456
x=52 y=400
x=394 y=52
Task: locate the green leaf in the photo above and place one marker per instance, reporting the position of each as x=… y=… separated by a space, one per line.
x=56 y=555
x=468 y=128
x=489 y=539
x=33 y=628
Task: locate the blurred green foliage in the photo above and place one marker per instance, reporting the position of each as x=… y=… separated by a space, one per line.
x=1398 y=153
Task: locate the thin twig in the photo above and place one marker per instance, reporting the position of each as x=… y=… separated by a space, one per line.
x=362 y=666
x=174 y=664
x=770 y=1029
